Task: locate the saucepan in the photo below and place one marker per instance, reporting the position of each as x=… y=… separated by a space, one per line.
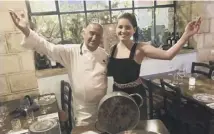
x=118 y=112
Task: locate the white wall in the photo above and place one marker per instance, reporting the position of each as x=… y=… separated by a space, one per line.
x=150 y=66
x=52 y=85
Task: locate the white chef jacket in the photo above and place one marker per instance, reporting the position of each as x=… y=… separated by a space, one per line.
x=86 y=71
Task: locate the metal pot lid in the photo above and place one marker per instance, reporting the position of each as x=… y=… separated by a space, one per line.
x=118 y=113
x=43 y=125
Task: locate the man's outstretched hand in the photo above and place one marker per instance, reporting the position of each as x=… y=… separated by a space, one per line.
x=20 y=22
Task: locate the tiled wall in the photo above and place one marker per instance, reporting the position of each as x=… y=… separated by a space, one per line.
x=204 y=40
x=17 y=71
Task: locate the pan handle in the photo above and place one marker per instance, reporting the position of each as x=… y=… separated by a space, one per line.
x=141 y=98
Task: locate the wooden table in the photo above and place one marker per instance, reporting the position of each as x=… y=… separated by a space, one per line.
x=203 y=84
x=145 y=125
x=12 y=105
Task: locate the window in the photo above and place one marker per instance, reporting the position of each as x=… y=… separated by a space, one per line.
x=48 y=26
x=72 y=25
x=142 y=3
x=121 y=4
x=42 y=6
x=164 y=24
x=145 y=24
x=71 y=5
x=164 y=2
x=62 y=21
x=97 y=4
x=99 y=17
x=117 y=13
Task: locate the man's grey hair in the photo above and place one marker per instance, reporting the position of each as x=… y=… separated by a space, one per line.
x=96 y=24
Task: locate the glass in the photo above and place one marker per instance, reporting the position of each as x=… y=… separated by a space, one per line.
x=171 y=65
x=191 y=88
x=174 y=73
x=16 y=124
x=97 y=5
x=99 y=17
x=121 y=3
x=30 y=116
x=164 y=24
x=72 y=26
x=145 y=27
x=181 y=73
x=43 y=110
x=191 y=81
x=175 y=78
x=48 y=26
x=172 y=68
x=3 y=115
x=42 y=6
x=143 y=3
x=116 y=14
x=71 y=5
x=24 y=104
x=195 y=75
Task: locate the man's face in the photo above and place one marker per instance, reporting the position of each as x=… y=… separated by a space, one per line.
x=93 y=36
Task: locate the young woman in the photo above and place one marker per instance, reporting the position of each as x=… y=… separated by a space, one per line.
x=126 y=56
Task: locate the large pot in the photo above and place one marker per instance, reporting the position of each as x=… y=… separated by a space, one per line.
x=118 y=112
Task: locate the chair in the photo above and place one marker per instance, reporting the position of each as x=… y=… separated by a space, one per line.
x=181 y=109
x=66 y=102
x=155 y=95
x=172 y=98
x=205 y=66
x=172 y=104
x=197 y=124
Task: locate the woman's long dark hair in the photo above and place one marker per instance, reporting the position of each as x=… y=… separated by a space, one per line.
x=133 y=21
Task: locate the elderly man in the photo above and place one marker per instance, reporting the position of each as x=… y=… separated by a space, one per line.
x=86 y=65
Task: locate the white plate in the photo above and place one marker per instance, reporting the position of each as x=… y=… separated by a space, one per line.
x=23 y=131
x=43 y=125
x=204 y=97
x=48 y=116
x=211 y=105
